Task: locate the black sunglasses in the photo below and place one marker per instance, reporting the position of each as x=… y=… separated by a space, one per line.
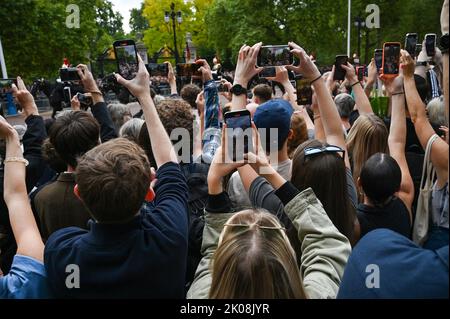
x=311 y=151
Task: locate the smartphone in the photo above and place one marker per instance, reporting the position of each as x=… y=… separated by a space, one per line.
x=269 y=72
x=418 y=49
x=6 y=84
x=67 y=95
x=275 y=55
x=430 y=43
x=339 y=72
x=361 y=72
x=69 y=75
x=127 y=58
x=239 y=133
x=84 y=99
x=155 y=69
x=378 y=56
x=391 y=59
x=304 y=91
x=188 y=69
x=221 y=87
x=410 y=43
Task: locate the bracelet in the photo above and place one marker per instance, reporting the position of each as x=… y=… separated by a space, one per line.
x=399 y=93
x=319 y=77
x=96 y=92
x=16 y=160
x=355 y=83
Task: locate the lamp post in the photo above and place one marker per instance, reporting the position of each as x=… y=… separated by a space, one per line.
x=359 y=23
x=174 y=15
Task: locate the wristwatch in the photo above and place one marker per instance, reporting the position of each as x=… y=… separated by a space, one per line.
x=238 y=89
x=421 y=63
x=444 y=43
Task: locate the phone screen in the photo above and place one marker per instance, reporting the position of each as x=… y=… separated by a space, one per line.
x=304 y=92
x=67 y=95
x=239 y=133
x=391 y=58
x=188 y=69
x=410 y=44
x=378 y=56
x=6 y=85
x=430 y=42
x=339 y=73
x=418 y=49
x=275 y=55
x=360 y=71
x=155 y=69
x=221 y=87
x=127 y=60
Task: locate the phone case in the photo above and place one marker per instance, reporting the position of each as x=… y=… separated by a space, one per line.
x=389 y=75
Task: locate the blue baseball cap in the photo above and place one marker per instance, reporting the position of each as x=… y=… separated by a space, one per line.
x=276 y=114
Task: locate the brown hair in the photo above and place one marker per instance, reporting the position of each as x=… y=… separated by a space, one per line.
x=254 y=259
x=263 y=92
x=189 y=94
x=298 y=126
x=174 y=113
x=368 y=136
x=113 y=179
x=326 y=174
x=73 y=134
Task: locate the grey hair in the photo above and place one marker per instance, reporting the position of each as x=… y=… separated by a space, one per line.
x=345 y=104
x=131 y=129
x=436 y=111
x=158 y=99
x=118 y=112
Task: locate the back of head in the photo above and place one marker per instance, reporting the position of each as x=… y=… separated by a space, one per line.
x=254 y=259
x=436 y=111
x=189 y=94
x=73 y=134
x=113 y=179
x=345 y=104
x=300 y=133
x=368 y=135
x=263 y=92
x=380 y=178
x=51 y=156
x=326 y=174
x=273 y=117
x=120 y=113
x=131 y=129
x=175 y=114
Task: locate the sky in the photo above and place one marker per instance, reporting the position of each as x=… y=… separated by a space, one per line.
x=124 y=7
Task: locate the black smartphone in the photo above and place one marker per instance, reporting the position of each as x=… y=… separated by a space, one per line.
x=361 y=72
x=155 y=69
x=67 y=95
x=339 y=72
x=275 y=55
x=418 y=49
x=430 y=43
x=269 y=72
x=221 y=87
x=304 y=91
x=188 y=69
x=84 y=99
x=410 y=43
x=378 y=56
x=391 y=59
x=69 y=75
x=239 y=133
x=127 y=58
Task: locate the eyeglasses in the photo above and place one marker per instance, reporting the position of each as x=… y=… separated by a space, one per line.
x=311 y=151
x=259 y=226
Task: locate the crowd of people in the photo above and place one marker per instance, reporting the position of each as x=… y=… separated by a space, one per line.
x=144 y=201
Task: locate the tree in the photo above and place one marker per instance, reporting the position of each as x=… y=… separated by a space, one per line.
x=138 y=23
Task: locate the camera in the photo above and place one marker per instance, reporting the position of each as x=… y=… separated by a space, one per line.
x=69 y=74
x=155 y=69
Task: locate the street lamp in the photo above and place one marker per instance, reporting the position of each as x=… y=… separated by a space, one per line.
x=174 y=15
x=359 y=23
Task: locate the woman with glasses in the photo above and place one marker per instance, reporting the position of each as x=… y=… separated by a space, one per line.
x=247 y=254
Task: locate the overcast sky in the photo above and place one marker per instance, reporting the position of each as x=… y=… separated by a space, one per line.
x=124 y=7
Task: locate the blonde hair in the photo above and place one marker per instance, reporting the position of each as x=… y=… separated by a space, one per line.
x=368 y=136
x=255 y=260
x=300 y=130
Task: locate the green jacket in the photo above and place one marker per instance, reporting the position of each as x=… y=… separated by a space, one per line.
x=324 y=249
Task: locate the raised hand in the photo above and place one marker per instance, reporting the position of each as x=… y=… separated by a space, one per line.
x=246 y=65
x=140 y=85
x=24 y=98
x=307 y=67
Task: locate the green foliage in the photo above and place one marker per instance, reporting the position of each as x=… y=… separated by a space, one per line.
x=35 y=37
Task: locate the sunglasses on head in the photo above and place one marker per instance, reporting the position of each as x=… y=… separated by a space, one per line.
x=311 y=151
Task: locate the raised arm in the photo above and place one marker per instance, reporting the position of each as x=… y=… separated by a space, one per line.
x=172 y=80
x=397 y=139
x=161 y=145
x=424 y=130
x=361 y=99
x=26 y=233
x=328 y=112
x=372 y=77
